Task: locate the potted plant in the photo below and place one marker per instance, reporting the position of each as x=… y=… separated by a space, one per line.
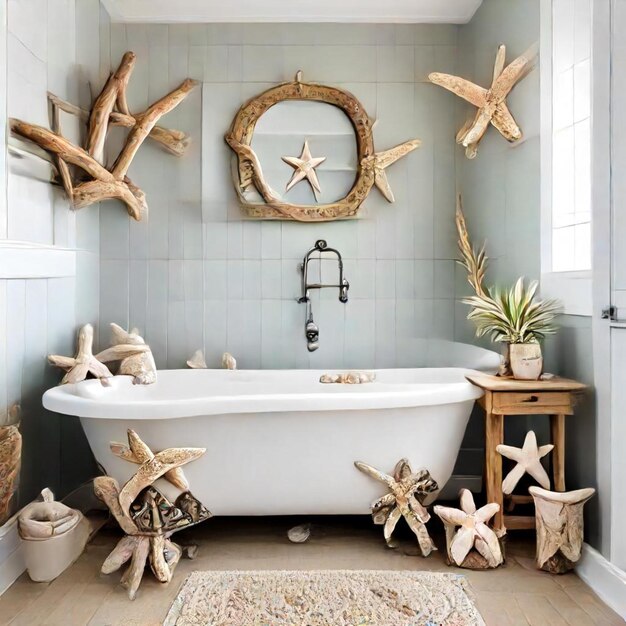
x=510 y=316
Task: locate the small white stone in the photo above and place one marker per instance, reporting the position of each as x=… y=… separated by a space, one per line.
x=299 y=534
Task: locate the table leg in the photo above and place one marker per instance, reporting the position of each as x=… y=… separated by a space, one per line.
x=557 y=428
x=494 y=435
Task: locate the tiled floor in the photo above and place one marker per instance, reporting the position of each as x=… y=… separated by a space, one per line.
x=514 y=594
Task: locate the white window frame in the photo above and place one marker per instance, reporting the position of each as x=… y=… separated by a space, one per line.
x=573 y=289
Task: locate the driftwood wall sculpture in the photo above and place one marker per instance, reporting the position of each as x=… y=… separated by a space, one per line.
x=371 y=164
x=403 y=500
x=470 y=543
x=491 y=102
x=82 y=171
x=145 y=515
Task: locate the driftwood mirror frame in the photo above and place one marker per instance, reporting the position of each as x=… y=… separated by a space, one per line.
x=370 y=169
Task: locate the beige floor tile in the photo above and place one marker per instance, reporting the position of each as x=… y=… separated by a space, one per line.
x=514 y=595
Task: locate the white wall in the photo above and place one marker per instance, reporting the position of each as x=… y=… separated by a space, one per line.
x=40 y=311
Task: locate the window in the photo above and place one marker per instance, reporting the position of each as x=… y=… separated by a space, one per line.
x=571 y=135
x=566 y=151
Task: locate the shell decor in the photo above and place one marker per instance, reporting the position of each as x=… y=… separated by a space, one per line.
x=349 y=378
x=135 y=357
x=473 y=534
x=228 y=361
x=146 y=516
x=10 y=461
x=196 y=361
x=403 y=500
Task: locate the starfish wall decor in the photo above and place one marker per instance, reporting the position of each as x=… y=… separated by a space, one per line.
x=491 y=102
x=403 y=501
x=145 y=515
x=473 y=532
x=528 y=459
x=304 y=166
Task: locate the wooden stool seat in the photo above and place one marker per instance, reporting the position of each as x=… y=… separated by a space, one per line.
x=507 y=396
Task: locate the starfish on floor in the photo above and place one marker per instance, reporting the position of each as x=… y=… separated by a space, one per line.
x=491 y=103
x=406 y=487
x=473 y=531
x=528 y=459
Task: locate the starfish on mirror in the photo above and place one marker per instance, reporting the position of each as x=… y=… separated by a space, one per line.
x=304 y=166
x=473 y=532
x=403 y=501
x=491 y=103
x=528 y=459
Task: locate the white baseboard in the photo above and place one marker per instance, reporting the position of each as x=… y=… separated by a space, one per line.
x=11 y=557
x=608 y=581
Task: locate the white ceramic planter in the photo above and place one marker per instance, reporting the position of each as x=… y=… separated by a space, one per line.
x=526 y=360
x=48 y=558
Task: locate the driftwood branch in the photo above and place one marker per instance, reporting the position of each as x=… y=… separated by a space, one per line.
x=103 y=106
x=109 y=108
x=174 y=141
x=146 y=122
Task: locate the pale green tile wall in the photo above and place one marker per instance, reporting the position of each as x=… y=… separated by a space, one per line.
x=502 y=203
x=52 y=45
x=195 y=274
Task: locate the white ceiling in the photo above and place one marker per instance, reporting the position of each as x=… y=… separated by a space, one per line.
x=190 y=11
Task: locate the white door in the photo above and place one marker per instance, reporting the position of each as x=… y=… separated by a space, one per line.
x=609 y=275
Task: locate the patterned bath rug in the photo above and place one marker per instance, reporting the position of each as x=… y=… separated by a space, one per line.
x=323 y=598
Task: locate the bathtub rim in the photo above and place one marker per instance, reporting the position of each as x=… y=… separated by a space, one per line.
x=63 y=400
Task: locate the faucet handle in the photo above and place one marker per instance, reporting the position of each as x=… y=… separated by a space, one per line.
x=343 y=291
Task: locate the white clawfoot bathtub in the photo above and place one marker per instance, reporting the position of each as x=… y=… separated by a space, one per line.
x=280 y=442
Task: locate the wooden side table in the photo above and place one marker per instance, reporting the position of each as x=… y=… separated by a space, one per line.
x=507 y=396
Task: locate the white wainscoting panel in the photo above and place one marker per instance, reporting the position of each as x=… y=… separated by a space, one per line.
x=19 y=259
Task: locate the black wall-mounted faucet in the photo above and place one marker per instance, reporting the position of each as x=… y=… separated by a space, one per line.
x=311 y=330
